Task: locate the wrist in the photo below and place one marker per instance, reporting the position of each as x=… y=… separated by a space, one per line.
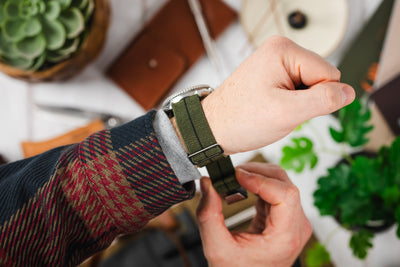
x=178 y=133
x=215 y=122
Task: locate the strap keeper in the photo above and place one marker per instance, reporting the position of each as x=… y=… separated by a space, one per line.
x=207 y=158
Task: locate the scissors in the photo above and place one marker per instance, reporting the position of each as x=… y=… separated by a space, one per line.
x=109 y=120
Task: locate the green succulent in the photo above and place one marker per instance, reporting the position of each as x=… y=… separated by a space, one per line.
x=36 y=34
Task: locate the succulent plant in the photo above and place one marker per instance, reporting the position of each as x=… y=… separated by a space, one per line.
x=37 y=34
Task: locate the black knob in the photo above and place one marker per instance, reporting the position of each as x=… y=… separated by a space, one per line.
x=297 y=19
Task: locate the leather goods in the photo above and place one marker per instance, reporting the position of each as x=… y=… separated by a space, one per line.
x=165 y=48
x=31 y=149
x=387 y=99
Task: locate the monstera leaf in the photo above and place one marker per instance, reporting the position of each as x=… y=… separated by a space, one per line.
x=354 y=125
x=299 y=155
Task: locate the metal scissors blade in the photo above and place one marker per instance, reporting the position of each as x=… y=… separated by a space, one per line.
x=108 y=119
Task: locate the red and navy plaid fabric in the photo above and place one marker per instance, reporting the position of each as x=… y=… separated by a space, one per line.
x=60 y=207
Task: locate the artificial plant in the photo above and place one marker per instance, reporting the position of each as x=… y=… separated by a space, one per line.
x=360 y=190
x=37 y=34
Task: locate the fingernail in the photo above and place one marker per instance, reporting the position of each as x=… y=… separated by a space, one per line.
x=347 y=95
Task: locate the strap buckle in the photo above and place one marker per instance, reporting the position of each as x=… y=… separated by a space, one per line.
x=206 y=158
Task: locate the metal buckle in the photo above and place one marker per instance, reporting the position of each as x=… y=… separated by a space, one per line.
x=207 y=158
x=235 y=196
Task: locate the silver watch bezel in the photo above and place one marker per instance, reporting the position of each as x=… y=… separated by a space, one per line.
x=201 y=90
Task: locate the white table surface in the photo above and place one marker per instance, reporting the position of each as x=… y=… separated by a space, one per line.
x=22 y=121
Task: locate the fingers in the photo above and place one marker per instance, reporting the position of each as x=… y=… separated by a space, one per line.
x=210 y=218
x=266 y=169
x=283 y=197
x=320 y=99
x=302 y=65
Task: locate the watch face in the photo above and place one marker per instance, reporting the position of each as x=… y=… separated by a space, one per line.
x=200 y=90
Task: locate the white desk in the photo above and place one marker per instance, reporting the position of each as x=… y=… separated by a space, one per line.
x=91 y=90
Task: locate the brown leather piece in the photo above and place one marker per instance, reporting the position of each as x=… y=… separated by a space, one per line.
x=165 y=49
x=31 y=149
x=387 y=99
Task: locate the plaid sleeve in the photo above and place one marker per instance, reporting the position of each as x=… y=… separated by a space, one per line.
x=62 y=206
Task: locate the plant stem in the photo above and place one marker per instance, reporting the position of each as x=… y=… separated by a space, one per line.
x=346 y=155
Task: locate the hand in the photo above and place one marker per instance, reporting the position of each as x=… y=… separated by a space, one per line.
x=278 y=232
x=258 y=104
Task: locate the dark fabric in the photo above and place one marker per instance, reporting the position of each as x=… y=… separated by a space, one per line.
x=60 y=207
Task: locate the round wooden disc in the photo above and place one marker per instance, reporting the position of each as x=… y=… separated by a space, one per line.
x=325 y=26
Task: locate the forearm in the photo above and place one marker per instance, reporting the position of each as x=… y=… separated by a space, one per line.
x=66 y=204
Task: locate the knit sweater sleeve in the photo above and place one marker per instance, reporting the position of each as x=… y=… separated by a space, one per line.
x=62 y=206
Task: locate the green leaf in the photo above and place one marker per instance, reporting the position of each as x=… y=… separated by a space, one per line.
x=54 y=33
x=14 y=30
x=19 y=62
x=38 y=62
x=65 y=3
x=298 y=128
x=317 y=256
x=81 y=4
x=2 y=15
x=28 y=9
x=354 y=125
x=337 y=136
x=53 y=10
x=53 y=56
x=331 y=187
x=69 y=47
x=11 y=10
x=391 y=195
x=31 y=47
x=32 y=27
x=298 y=156
x=367 y=171
x=73 y=21
x=7 y=48
x=360 y=242
x=89 y=10
x=394 y=158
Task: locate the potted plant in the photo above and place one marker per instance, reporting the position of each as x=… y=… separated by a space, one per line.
x=362 y=191
x=50 y=39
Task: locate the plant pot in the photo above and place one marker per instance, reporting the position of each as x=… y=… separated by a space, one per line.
x=88 y=51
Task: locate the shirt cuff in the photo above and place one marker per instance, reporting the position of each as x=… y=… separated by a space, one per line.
x=184 y=170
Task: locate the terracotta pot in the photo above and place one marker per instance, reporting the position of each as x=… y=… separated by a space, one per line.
x=70 y=67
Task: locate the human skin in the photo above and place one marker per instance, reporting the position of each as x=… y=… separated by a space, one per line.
x=258 y=104
x=277 y=233
x=254 y=107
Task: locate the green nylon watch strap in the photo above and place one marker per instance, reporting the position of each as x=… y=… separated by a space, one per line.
x=203 y=149
x=192 y=123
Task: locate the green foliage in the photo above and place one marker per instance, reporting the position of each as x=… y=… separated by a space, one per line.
x=298 y=156
x=354 y=125
x=360 y=242
x=317 y=256
x=364 y=190
x=35 y=34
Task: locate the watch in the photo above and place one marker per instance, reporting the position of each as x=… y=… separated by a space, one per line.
x=202 y=148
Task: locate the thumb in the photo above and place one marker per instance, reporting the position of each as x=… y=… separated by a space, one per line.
x=321 y=99
x=210 y=218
